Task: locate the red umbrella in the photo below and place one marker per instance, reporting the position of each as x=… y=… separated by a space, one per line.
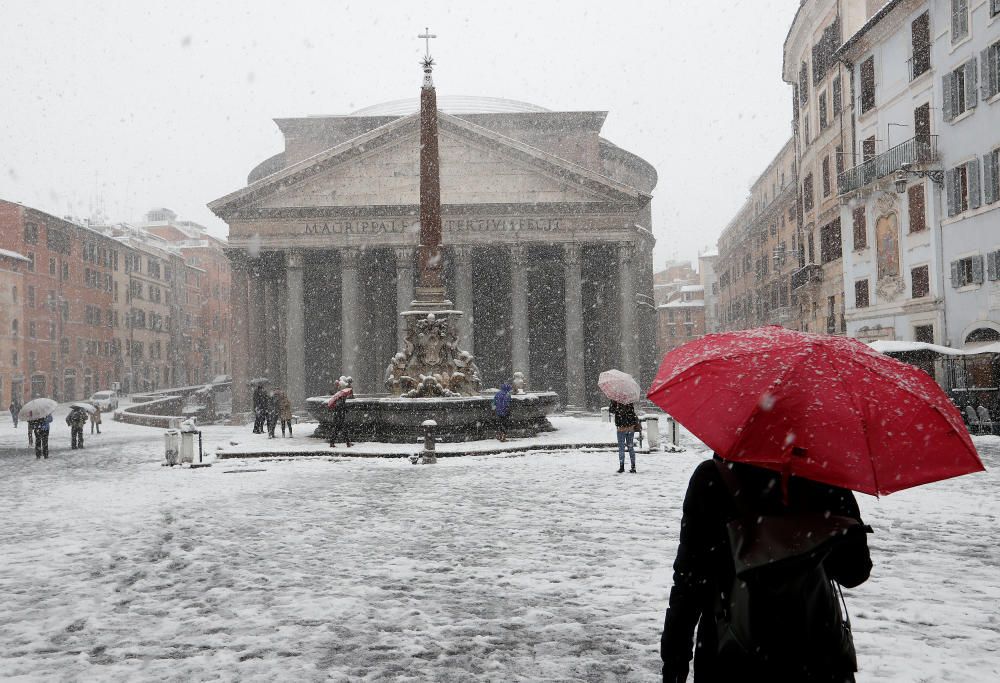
x=825 y=408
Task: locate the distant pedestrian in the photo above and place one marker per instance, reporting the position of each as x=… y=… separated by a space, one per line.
x=95 y=420
x=284 y=412
x=501 y=407
x=76 y=419
x=40 y=429
x=259 y=408
x=271 y=412
x=338 y=404
x=626 y=424
x=14 y=410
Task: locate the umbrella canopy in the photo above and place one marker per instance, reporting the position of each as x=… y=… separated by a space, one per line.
x=619 y=386
x=89 y=408
x=258 y=380
x=36 y=408
x=825 y=408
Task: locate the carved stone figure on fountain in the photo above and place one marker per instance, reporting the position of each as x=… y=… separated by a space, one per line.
x=519 y=384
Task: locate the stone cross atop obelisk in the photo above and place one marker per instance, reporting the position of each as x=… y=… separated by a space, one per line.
x=430 y=292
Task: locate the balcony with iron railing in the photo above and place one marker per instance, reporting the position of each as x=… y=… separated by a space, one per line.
x=812 y=272
x=921 y=149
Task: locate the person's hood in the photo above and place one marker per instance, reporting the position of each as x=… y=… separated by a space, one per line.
x=506 y=388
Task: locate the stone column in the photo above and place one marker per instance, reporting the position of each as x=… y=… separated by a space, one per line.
x=295 y=345
x=239 y=330
x=519 y=343
x=464 y=296
x=256 y=320
x=575 y=387
x=404 y=291
x=350 y=312
x=272 y=331
x=626 y=312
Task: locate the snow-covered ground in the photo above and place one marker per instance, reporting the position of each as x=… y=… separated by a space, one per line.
x=531 y=566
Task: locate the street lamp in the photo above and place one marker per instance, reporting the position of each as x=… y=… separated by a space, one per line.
x=905 y=171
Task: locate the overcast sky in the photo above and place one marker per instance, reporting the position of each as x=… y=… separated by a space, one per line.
x=123 y=106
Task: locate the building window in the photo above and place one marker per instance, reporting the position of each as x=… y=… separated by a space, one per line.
x=868 y=148
x=31 y=233
x=868 y=84
x=52 y=266
x=861 y=294
x=991 y=70
x=807 y=193
x=805 y=126
x=860 y=229
x=917 y=208
x=822 y=111
x=31 y=262
x=924 y=334
x=994 y=7
x=65 y=271
x=920 y=40
x=31 y=329
x=959 y=90
x=967 y=271
x=829 y=242
x=13 y=327
x=839 y=152
x=804 y=84
x=826 y=176
x=991 y=176
x=920 y=283
x=31 y=296
x=962 y=187
x=959 y=19
x=922 y=123
x=837 y=95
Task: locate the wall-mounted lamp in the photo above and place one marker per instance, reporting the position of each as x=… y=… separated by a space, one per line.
x=906 y=171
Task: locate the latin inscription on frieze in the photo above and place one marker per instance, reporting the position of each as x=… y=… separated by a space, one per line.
x=455 y=226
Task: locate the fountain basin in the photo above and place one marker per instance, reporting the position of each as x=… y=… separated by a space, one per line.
x=393 y=419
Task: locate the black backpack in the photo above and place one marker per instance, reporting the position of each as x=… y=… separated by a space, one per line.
x=782 y=611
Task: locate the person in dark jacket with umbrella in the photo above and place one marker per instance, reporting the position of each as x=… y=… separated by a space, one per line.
x=40 y=430
x=338 y=404
x=14 y=408
x=76 y=419
x=704 y=570
x=626 y=423
x=259 y=408
x=271 y=412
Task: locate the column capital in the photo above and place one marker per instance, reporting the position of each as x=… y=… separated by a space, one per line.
x=462 y=253
x=294 y=258
x=518 y=254
x=404 y=256
x=350 y=257
x=625 y=251
x=572 y=253
x=239 y=260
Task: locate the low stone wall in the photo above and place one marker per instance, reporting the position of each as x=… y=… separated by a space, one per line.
x=155 y=413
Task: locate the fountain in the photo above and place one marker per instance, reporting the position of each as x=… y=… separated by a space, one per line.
x=431 y=378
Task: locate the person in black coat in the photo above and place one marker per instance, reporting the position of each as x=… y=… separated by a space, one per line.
x=626 y=423
x=704 y=569
x=271 y=413
x=259 y=408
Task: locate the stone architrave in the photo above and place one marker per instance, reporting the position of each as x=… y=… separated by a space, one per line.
x=404 y=290
x=464 y=294
x=520 y=342
x=295 y=356
x=350 y=298
x=627 y=314
x=240 y=331
x=575 y=386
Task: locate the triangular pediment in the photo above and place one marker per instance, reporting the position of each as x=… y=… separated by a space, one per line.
x=382 y=168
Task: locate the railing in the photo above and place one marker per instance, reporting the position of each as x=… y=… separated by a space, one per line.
x=918 y=67
x=921 y=149
x=813 y=272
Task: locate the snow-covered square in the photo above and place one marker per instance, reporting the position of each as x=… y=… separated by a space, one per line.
x=534 y=565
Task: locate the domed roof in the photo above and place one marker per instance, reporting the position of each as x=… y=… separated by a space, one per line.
x=451 y=104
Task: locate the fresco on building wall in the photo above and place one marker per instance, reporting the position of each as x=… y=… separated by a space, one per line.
x=887 y=245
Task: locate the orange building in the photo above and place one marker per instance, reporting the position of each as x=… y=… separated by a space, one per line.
x=12 y=266
x=681 y=318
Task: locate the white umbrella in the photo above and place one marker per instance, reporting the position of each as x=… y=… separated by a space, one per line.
x=84 y=406
x=258 y=380
x=619 y=386
x=37 y=408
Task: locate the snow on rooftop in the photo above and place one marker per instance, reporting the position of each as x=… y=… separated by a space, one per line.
x=14 y=255
x=680 y=303
x=693 y=288
x=452 y=104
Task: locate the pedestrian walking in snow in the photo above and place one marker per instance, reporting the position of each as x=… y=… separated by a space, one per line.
x=76 y=419
x=284 y=412
x=626 y=425
x=14 y=409
x=40 y=430
x=95 y=420
x=271 y=412
x=811 y=641
x=501 y=408
x=338 y=404
x=259 y=408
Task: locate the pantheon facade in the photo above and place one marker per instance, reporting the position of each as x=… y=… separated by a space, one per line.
x=546 y=229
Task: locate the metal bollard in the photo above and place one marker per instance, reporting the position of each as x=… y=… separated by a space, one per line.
x=653 y=432
x=605 y=414
x=672 y=430
x=428 y=457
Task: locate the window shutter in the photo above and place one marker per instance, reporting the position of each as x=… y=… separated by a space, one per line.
x=987 y=86
x=971 y=91
x=975 y=195
x=994 y=7
x=990 y=177
x=977 y=270
x=956 y=24
x=956 y=274
x=949 y=191
x=947 y=106
x=991 y=265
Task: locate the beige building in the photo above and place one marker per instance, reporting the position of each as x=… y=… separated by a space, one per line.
x=12 y=375
x=759 y=253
